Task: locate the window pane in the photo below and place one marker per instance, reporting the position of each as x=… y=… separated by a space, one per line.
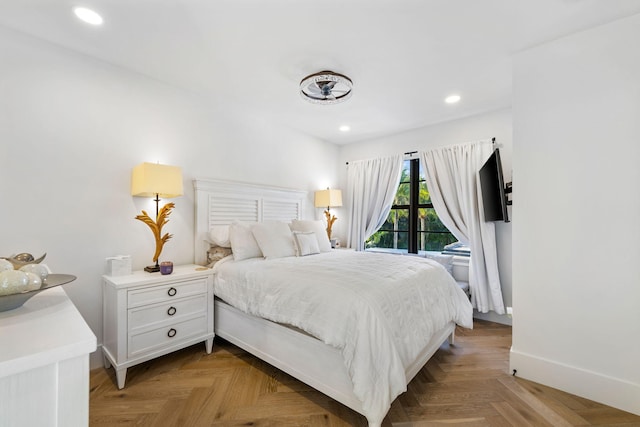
x=388 y=239
x=381 y=239
x=429 y=221
x=402 y=219
x=434 y=241
x=396 y=220
x=406 y=171
x=402 y=195
x=403 y=241
x=388 y=224
x=393 y=233
x=424 y=197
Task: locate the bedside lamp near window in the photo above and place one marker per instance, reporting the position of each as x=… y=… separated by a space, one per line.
x=329 y=198
x=149 y=180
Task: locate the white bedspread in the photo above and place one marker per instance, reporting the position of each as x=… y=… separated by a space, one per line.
x=380 y=310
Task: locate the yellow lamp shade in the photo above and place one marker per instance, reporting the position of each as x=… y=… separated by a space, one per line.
x=149 y=179
x=328 y=198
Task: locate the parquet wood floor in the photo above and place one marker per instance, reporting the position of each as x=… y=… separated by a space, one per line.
x=467 y=384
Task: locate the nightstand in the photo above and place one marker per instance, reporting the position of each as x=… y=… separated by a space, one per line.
x=147 y=315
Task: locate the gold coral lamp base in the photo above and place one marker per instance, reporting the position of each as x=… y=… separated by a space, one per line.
x=162 y=216
x=330 y=220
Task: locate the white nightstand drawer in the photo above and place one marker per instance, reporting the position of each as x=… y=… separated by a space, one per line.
x=167 y=335
x=166 y=292
x=148 y=315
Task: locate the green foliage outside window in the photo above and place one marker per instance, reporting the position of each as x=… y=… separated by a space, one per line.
x=394 y=233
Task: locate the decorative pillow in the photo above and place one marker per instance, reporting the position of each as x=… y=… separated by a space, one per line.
x=219 y=235
x=445 y=260
x=215 y=254
x=243 y=244
x=274 y=238
x=307 y=242
x=318 y=228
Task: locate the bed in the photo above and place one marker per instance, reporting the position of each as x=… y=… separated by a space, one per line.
x=364 y=367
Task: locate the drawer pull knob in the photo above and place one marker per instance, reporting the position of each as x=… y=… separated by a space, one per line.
x=171 y=311
x=172 y=291
x=172 y=333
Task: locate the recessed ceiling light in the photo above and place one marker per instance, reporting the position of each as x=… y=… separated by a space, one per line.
x=344 y=128
x=87 y=15
x=452 y=99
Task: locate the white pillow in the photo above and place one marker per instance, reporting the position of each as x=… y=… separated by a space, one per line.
x=243 y=244
x=445 y=260
x=274 y=238
x=307 y=242
x=318 y=228
x=219 y=236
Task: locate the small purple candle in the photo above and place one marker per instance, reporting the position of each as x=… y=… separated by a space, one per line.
x=166 y=267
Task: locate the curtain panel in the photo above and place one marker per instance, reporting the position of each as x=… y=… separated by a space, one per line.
x=371 y=188
x=454 y=185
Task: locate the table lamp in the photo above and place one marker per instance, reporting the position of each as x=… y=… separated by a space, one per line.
x=329 y=198
x=149 y=180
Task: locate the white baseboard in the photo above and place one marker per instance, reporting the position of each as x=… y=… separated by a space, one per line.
x=610 y=391
x=491 y=316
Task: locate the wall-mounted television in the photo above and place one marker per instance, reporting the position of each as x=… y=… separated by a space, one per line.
x=494 y=197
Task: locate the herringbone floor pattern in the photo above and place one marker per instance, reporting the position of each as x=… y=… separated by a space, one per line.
x=467 y=384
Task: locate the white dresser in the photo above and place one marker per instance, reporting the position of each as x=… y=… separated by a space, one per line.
x=44 y=363
x=147 y=315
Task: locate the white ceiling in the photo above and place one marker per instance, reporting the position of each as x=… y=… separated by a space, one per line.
x=404 y=56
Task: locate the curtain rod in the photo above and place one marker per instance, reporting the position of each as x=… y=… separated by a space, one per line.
x=408 y=153
x=411 y=153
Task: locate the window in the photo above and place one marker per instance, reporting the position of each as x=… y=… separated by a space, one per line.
x=412 y=224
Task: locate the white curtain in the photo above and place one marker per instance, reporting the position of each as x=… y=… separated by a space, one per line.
x=371 y=188
x=453 y=183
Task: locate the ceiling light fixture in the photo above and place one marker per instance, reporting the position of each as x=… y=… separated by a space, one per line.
x=326 y=87
x=344 y=128
x=87 y=15
x=452 y=99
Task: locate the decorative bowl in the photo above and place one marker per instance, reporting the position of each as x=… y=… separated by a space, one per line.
x=13 y=301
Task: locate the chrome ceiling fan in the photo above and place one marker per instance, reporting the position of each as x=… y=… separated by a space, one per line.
x=326 y=87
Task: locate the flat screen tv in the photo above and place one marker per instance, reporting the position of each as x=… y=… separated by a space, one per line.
x=492 y=184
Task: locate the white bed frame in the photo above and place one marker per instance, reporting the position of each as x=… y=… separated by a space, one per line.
x=296 y=353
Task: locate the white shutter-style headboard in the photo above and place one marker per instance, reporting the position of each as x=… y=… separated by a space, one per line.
x=221 y=202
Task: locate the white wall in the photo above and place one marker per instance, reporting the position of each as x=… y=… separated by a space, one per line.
x=576 y=293
x=484 y=126
x=71 y=130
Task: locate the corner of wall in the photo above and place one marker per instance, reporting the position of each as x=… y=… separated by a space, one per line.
x=95 y=359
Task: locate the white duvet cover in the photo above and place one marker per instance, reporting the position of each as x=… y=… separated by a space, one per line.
x=380 y=310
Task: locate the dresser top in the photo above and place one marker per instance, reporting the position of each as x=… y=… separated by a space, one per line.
x=46 y=329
